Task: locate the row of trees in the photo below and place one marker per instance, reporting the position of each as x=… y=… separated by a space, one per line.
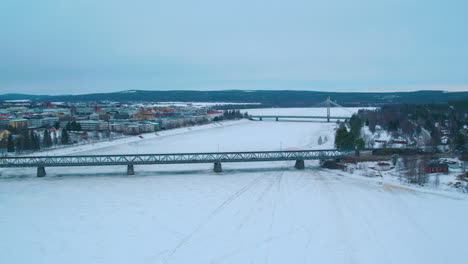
x=415 y=170
x=73 y=126
x=31 y=141
x=351 y=139
x=186 y=122
x=230 y=115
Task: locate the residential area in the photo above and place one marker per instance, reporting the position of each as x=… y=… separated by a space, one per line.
x=27 y=126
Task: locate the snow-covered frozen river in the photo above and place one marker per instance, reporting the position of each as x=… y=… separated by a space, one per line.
x=251 y=213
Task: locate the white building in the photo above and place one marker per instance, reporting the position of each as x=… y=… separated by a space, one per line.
x=93 y=125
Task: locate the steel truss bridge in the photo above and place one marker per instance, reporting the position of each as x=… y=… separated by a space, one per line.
x=176 y=158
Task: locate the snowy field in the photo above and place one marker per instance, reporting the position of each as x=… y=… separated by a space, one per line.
x=251 y=213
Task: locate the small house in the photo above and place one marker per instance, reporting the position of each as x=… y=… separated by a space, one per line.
x=437 y=168
x=383 y=165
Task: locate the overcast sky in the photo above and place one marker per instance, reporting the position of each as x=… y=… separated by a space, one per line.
x=83 y=46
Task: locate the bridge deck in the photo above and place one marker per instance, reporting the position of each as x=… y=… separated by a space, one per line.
x=306 y=117
x=175 y=158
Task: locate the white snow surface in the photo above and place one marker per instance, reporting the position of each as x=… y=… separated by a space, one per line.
x=251 y=213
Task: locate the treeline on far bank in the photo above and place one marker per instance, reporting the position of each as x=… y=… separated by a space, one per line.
x=439 y=124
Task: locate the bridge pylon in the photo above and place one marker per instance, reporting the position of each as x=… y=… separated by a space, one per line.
x=328 y=109
x=41 y=172
x=217 y=167
x=299 y=164
x=130 y=169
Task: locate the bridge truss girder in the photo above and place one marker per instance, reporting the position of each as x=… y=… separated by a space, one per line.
x=176 y=158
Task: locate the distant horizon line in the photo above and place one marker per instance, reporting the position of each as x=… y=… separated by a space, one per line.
x=239 y=90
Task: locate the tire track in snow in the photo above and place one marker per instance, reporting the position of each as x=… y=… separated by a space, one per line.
x=255 y=208
x=368 y=225
x=219 y=208
x=339 y=216
x=275 y=202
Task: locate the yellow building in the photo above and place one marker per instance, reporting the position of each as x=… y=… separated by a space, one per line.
x=144 y=116
x=19 y=123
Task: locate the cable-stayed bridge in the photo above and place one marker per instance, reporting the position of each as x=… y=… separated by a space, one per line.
x=327 y=103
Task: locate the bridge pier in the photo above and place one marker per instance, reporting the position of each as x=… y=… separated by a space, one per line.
x=217 y=167
x=299 y=164
x=41 y=172
x=130 y=170
x=276 y=118
x=260 y=118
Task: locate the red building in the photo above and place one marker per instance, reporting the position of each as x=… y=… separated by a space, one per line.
x=437 y=167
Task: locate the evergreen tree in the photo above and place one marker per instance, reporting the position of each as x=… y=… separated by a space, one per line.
x=238 y=114
x=44 y=138
x=55 y=139
x=10 y=144
x=35 y=144
x=320 y=142
x=360 y=144
x=459 y=141
x=3 y=143
x=47 y=140
x=57 y=125
x=38 y=141
x=65 y=138
x=344 y=139
x=27 y=145
x=19 y=144
x=74 y=126
x=356 y=124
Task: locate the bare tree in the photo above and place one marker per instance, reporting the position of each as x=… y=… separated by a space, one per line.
x=437 y=181
x=410 y=165
x=422 y=175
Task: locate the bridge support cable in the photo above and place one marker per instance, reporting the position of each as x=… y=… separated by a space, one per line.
x=328 y=103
